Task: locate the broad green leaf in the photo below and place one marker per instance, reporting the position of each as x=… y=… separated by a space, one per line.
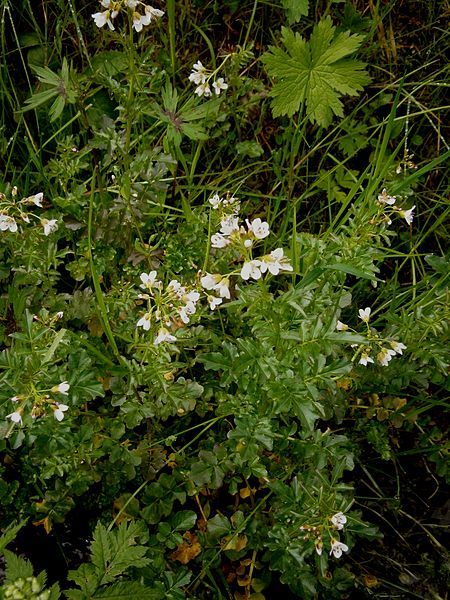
x=295 y=9
x=312 y=76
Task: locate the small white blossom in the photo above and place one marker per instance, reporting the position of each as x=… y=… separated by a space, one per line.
x=103 y=18
x=62 y=388
x=59 y=315
x=149 y=280
x=385 y=356
x=341 y=326
x=407 y=214
x=248 y=243
x=198 y=74
x=49 y=225
x=260 y=229
x=219 y=85
x=251 y=269
x=215 y=201
x=153 y=13
x=218 y=240
x=398 y=347
x=164 y=336
x=216 y=282
x=319 y=547
x=145 y=322
x=203 y=90
x=339 y=520
x=59 y=411
x=105 y=3
x=193 y=296
x=36 y=199
x=364 y=315
x=365 y=358
x=16 y=417
x=7 y=222
x=337 y=548
x=229 y=225
x=275 y=262
x=130 y=3
x=214 y=302
x=385 y=198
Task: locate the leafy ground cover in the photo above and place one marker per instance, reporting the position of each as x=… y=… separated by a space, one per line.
x=224 y=299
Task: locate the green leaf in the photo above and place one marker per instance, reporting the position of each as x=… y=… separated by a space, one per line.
x=9 y=534
x=126 y=590
x=183 y=520
x=17 y=567
x=295 y=9
x=312 y=76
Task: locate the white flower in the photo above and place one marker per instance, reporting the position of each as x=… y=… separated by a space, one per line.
x=385 y=198
x=59 y=315
x=251 y=269
x=365 y=358
x=364 y=315
x=15 y=399
x=398 y=347
x=214 y=302
x=260 y=229
x=186 y=311
x=219 y=85
x=319 y=547
x=217 y=283
x=62 y=388
x=7 y=222
x=36 y=199
x=203 y=90
x=16 y=417
x=198 y=74
x=105 y=3
x=139 y=21
x=248 y=243
x=103 y=18
x=130 y=3
x=339 y=520
x=337 y=548
x=193 y=297
x=145 y=322
x=175 y=286
x=49 y=225
x=407 y=214
x=228 y=225
x=149 y=280
x=340 y=326
x=218 y=240
x=384 y=356
x=215 y=201
x=59 y=411
x=275 y=262
x=153 y=13
x=164 y=336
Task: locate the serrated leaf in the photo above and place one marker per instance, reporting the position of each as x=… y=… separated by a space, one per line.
x=126 y=590
x=9 y=534
x=17 y=567
x=295 y=9
x=312 y=76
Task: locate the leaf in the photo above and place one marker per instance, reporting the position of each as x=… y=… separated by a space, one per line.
x=183 y=520
x=9 y=534
x=126 y=590
x=295 y=9
x=187 y=550
x=313 y=75
x=17 y=567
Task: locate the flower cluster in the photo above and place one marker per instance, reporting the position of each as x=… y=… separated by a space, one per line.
x=12 y=212
x=166 y=306
x=382 y=349
x=389 y=205
x=40 y=401
x=316 y=533
x=201 y=77
x=142 y=14
x=242 y=239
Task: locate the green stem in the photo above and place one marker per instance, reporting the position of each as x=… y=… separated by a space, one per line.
x=95 y=278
